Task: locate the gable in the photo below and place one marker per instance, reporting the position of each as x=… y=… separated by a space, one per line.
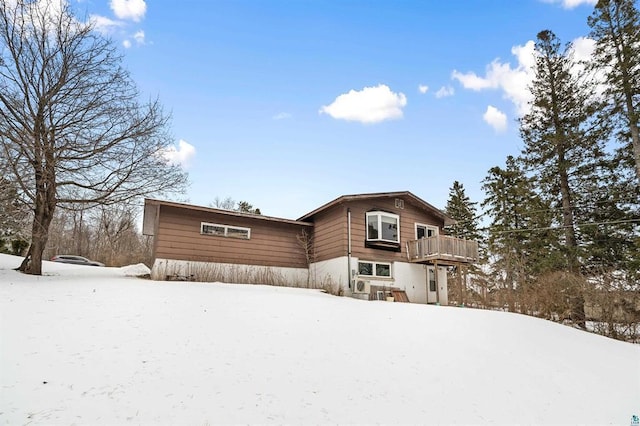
x=399 y=200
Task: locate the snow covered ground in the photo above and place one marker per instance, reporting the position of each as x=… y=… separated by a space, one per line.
x=86 y=345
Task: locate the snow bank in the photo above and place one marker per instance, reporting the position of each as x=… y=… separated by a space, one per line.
x=93 y=346
x=136 y=270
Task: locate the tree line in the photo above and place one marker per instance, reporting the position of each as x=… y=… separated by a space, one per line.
x=560 y=222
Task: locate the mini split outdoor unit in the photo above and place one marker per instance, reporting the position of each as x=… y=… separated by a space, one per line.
x=362 y=286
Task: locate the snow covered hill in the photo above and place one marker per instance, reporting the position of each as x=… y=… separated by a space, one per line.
x=86 y=345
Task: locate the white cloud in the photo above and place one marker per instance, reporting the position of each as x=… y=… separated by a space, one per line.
x=129 y=9
x=51 y=10
x=282 y=116
x=445 y=91
x=513 y=82
x=103 y=24
x=495 y=118
x=369 y=105
x=571 y=4
x=423 y=88
x=583 y=48
x=52 y=7
x=180 y=156
x=139 y=37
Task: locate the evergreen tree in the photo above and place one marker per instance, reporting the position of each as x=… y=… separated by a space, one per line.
x=460 y=208
x=559 y=136
x=230 y=204
x=615 y=25
x=463 y=211
x=518 y=235
x=14 y=215
x=246 y=207
x=613 y=244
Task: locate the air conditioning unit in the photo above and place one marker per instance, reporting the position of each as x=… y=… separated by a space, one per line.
x=362 y=286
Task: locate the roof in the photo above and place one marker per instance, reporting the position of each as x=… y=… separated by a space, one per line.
x=400 y=194
x=225 y=212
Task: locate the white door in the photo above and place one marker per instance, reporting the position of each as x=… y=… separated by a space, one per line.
x=437 y=291
x=419 y=290
x=443 y=292
x=432 y=291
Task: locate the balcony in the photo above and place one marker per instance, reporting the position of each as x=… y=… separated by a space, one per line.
x=442 y=248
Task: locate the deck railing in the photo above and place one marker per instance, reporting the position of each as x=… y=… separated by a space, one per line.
x=442 y=247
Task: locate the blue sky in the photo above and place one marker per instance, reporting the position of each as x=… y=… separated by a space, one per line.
x=290 y=104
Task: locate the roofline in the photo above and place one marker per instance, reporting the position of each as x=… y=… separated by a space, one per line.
x=153 y=201
x=446 y=218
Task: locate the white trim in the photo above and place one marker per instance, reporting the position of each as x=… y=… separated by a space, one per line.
x=379 y=214
x=225 y=230
x=434 y=228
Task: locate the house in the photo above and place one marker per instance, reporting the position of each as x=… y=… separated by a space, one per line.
x=367 y=245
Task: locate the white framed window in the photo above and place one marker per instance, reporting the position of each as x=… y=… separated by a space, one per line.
x=426 y=231
x=374 y=269
x=225 y=230
x=383 y=226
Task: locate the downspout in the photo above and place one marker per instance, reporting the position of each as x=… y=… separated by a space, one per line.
x=349 y=246
x=437 y=278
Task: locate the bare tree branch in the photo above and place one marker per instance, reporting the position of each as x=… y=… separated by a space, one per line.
x=72 y=128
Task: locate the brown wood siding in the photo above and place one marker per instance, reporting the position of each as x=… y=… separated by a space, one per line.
x=330 y=233
x=331 y=229
x=271 y=243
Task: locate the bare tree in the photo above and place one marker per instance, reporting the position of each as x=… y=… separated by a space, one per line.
x=117 y=241
x=305 y=240
x=108 y=234
x=72 y=128
x=225 y=204
x=229 y=203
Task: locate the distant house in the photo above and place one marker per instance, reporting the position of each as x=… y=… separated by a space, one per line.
x=367 y=245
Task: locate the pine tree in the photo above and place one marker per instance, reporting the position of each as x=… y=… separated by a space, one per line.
x=463 y=211
x=519 y=235
x=614 y=245
x=559 y=136
x=14 y=215
x=615 y=25
x=246 y=207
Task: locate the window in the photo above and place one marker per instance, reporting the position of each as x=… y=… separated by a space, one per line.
x=225 y=230
x=374 y=269
x=382 y=226
x=432 y=280
x=425 y=231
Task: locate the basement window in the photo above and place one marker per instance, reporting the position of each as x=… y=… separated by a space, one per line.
x=374 y=269
x=225 y=230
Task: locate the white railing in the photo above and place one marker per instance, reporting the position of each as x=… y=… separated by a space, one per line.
x=442 y=247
